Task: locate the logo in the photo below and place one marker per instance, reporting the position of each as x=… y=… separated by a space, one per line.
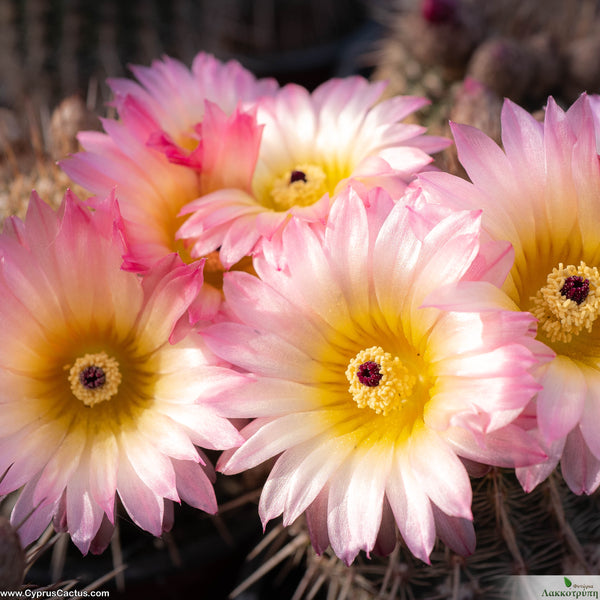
x=539 y=587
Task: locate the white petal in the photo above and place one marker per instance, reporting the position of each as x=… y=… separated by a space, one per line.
x=316 y=521
x=194 y=486
x=411 y=508
x=145 y=508
x=274 y=437
x=268 y=397
x=316 y=461
x=591 y=412
x=260 y=352
x=580 y=468
x=441 y=474
x=561 y=401
x=150 y=465
x=84 y=515
x=457 y=533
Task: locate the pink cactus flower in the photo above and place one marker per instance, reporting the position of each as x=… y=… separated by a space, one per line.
x=542 y=194
x=364 y=388
x=96 y=401
x=136 y=155
x=302 y=151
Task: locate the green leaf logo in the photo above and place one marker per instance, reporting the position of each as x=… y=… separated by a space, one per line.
x=568 y=582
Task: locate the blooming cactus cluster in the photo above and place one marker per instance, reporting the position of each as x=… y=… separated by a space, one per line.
x=542 y=194
x=292 y=261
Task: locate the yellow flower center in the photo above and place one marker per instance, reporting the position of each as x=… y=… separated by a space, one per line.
x=379 y=380
x=302 y=186
x=94 y=378
x=568 y=303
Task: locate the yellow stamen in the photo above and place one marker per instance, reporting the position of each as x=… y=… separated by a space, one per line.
x=560 y=318
x=105 y=389
x=286 y=193
x=393 y=389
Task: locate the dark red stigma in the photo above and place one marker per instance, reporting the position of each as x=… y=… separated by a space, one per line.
x=368 y=374
x=92 y=377
x=575 y=288
x=297 y=176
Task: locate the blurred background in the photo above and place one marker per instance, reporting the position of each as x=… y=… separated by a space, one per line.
x=50 y=49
